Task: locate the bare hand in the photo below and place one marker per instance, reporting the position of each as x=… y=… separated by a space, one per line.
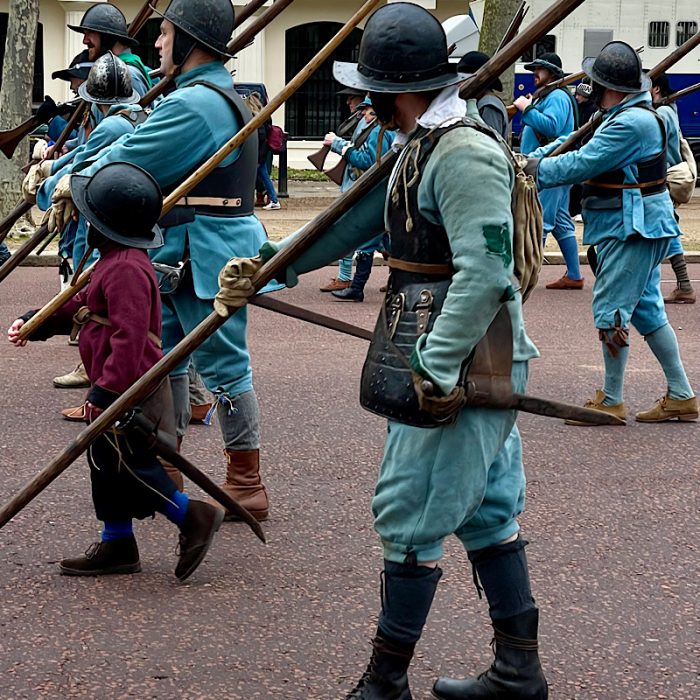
x=523 y=102
x=329 y=138
x=13 y=333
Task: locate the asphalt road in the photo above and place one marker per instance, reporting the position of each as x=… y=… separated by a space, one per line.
x=612 y=518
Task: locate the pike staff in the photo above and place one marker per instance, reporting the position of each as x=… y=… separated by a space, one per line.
x=367 y=183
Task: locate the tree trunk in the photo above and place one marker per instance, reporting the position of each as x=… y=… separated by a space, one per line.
x=497 y=18
x=16 y=92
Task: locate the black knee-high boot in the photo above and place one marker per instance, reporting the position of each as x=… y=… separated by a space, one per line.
x=407 y=594
x=516 y=673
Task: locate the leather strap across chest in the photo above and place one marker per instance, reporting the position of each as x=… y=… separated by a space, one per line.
x=83 y=316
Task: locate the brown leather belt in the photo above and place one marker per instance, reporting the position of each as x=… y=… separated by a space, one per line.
x=420 y=268
x=628 y=186
x=83 y=315
x=232 y=203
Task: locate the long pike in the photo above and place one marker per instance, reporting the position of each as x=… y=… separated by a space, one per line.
x=372 y=179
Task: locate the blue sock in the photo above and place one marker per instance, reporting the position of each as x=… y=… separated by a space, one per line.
x=176 y=508
x=664 y=345
x=614 y=375
x=117 y=530
x=345 y=269
x=569 y=249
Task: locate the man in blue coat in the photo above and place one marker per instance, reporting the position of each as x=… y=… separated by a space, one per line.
x=628 y=217
x=206 y=228
x=448 y=469
x=684 y=292
x=360 y=154
x=544 y=120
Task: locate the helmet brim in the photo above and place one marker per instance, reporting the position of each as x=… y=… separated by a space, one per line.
x=587 y=67
x=348 y=74
x=78 y=191
x=68 y=73
x=554 y=69
x=223 y=51
x=131 y=100
x=123 y=38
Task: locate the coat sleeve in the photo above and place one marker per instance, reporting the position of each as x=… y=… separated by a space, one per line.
x=551 y=117
x=614 y=146
x=466 y=187
x=341 y=238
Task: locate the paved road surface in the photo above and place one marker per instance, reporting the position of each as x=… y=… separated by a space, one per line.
x=612 y=519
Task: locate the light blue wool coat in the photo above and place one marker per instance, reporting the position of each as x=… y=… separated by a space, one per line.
x=111 y=128
x=627 y=288
x=545 y=121
x=185 y=129
x=466 y=478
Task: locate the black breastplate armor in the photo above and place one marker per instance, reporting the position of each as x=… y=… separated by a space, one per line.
x=651 y=174
x=414 y=299
x=235 y=181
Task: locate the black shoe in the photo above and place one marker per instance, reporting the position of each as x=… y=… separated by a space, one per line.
x=103 y=558
x=349 y=294
x=515 y=674
x=196 y=534
x=386 y=677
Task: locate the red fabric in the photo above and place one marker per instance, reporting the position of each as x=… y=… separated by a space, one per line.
x=123 y=288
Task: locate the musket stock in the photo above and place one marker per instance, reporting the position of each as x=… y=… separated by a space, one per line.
x=318 y=159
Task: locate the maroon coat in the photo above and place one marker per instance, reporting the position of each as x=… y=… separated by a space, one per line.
x=124 y=289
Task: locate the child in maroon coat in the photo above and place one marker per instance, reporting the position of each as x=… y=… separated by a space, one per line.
x=120 y=318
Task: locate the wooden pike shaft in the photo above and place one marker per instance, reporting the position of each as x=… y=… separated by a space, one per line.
x=55 y=304
x=235 y=45
x=273 y=105
x=149 y=381
x=514 y=26
x=24 y=251
x=248 y=10
x=152 y=379
x=572 y=141
x=22 y=207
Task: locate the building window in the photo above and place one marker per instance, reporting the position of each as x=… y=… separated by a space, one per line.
x=594 y=40
x=547 y=44
x=146 y=49
x=38 y=83
x=659 y=34
x=315 y=109
x=685 y=31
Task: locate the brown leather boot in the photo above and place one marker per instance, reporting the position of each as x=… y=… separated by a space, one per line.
x=173 y=472
x=199 y=412
x=243 y=483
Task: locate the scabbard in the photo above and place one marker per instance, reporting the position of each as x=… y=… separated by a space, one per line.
x=137 y=422
x=556 y=409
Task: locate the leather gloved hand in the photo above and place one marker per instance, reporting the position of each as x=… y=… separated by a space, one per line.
x=62 y=207
x=235 y=287
x=48 y=109
x=32 y=181
x=440 y=407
